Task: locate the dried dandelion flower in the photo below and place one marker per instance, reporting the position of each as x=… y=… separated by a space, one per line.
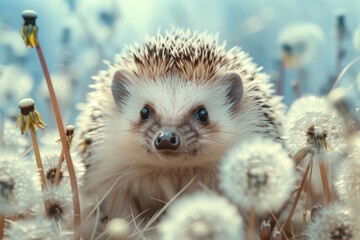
x=258 y=173
x=347 y=181
x=201 y=216
x=19 y=185
x=69 y=132
x=314 y=123
x=29 y=117
x=35 y=228
x=334 y=222
x=29 y=29
x=118 y=229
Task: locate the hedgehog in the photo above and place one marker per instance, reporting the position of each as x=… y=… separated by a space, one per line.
x=159 y=119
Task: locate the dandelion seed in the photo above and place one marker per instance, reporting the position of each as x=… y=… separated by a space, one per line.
x=258 y=173
x=265 y=230
x=29 y=117
x=201 y=216
x=19 y=188
x=315 y=211
x=334 y=222
x=118 y=229
x=29 y=29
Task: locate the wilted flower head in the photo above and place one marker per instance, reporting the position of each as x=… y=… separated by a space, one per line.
x=35 y=228
x=201 y=216
x=258 y=173
x=348 y=176
x=299 y=43
x=19 y=185
x=29 y=117
x=313 y=122
x=334 y=222
x=29 y=29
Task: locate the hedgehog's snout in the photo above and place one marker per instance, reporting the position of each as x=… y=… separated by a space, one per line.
x=167 y=140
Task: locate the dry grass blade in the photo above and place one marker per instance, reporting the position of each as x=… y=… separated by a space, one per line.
x=288 y=219
x=59 y=122
x=251 y=225
x=2 y=225
x=325 y=182
x=343 y=72
x=300 y=155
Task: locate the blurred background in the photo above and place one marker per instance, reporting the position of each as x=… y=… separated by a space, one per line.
x=303 y=45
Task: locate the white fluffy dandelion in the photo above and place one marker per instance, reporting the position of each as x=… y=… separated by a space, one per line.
x=334 y=222
x=201 y=216
x=19 y=185
x=300 y=42
x=35 y=228
x=258 y=173
x=313 y=122
x=348 y=177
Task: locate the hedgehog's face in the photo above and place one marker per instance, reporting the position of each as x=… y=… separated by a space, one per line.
x=176 y=120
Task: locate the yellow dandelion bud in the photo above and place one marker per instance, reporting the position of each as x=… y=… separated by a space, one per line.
x=29 y=117
x=29 y=29
x=69 y=132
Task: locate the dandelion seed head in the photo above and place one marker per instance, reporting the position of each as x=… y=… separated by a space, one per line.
x=19 y=184
x=201 y=216
x=300 y=42
x=334 y=223
x=313 y=122
x=258 y=172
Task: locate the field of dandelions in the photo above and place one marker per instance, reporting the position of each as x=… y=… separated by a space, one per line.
x=306 y=188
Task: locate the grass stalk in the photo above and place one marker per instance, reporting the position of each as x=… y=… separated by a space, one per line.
x=251 y=226
x=59 y=122
x=298 y=194
x=325 y=182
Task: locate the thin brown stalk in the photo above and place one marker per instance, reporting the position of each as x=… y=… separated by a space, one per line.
x=58 y=168
x=300 y=155
x=325 y=182
x=277 y=223
x=280 y=82
x=2 y=226
x=38 y=160
x=59 y=122
x=251 y=225
x=288 y=219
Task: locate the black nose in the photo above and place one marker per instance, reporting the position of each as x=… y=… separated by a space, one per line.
x=167 y=141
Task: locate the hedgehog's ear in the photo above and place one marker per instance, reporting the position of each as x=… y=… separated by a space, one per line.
x=118 y=87
x=234 y=89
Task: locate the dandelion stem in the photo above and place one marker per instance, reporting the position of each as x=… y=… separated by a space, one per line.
x=300 y=155
x=325 y=182
x=288 y=219
x=2 y=225
x=38 y=160
x=278 y=224
x=280 y=82
x=251 y=226
x=58 y=169
x=64 y=143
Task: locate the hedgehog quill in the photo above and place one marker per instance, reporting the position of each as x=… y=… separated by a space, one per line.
x=163 y=114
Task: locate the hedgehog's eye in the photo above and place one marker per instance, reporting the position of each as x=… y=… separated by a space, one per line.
x=145 y=113
x=202 y=115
